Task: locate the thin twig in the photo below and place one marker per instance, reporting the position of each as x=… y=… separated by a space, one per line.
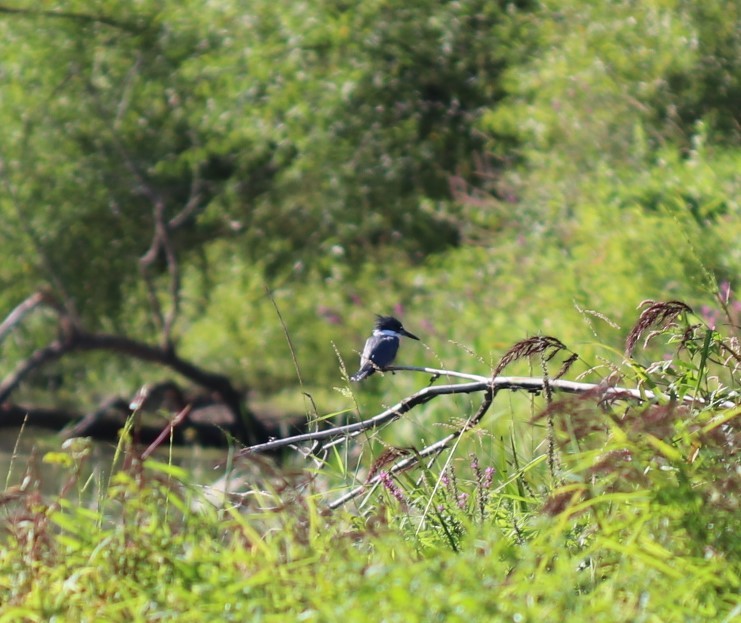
x=283 y=324
x=166 y=432
x=434 y=448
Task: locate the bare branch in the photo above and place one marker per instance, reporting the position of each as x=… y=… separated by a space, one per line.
x=163 y=229
x=194 y=203
x=12 y=415
x=166 y=432
x=19 y=313
x=406 y=463
x=174 y=269
x=351 y=430
x=437 y=372
x=156 y=245
x=535 y=384
x=340 y=434
x=162 y=244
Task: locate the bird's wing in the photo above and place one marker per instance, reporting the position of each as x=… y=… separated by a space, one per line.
x=367 y=349
x=383 y=351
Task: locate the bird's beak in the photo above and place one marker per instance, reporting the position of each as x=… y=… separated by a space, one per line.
x=411 y=335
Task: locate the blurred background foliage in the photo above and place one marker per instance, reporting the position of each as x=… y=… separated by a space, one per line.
x=485 y=170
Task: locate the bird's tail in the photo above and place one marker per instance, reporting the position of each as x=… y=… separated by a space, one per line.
x=364 y=372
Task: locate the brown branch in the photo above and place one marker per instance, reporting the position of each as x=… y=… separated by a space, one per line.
x=77 y=340
x=123 y=345
x=193 y=205
x=167 y=357
x=166 y=432
x=149 y=258
x=97 y=425
x=163 y=229
x=156 y=245
x=147 y=189
x=39 y=358
x=162 y=244
x=107 y=420
x=12 y=416
x=86 y=425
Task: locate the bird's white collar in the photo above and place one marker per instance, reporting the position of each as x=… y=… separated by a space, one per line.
x=386 y=332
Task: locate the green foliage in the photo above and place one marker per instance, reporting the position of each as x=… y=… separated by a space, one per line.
x=291 y=128
x=615 y=81
x=708 y=89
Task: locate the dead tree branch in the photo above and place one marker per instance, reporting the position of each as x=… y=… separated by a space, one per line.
x=20 y=312
x=75 y=339
x=535 y=384
x=389 y=415
x=49 y=353
x=51 y=418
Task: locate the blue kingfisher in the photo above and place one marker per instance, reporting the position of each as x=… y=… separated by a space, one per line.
x=380 y=348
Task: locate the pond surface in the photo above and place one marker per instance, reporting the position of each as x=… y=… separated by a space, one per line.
x=22 y=453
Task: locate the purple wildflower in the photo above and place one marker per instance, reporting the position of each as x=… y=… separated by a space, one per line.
x=488 y=477
x=388 y=482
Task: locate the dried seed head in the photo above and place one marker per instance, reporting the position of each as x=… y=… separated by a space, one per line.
x=545 y=345
x=566 y=365
x=656 y=314
x=389 y=455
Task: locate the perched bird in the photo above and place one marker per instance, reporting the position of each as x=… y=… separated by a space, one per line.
x=380 y=348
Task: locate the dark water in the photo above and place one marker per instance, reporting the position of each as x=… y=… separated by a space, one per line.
x=37 y=454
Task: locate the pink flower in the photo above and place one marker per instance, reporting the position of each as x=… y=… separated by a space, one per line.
x=391 y=486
